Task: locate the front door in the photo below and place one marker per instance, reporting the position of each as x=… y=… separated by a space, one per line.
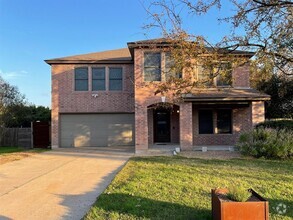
x=162 y=125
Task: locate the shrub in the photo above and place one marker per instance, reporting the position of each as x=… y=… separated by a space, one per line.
x=266 y=142
x=277 y=124
x=238 y=194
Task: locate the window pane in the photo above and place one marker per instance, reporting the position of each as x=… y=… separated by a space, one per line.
x=98 y=73
x=204 y=76
x=115 y=73
x=152 y=59
x=115 y=85
x=170 y=68
x=152 y=66
x=152 y=74
x=225 y=74
x=81 y=73
x=205 y=119
x=81 y=85
x=81 y=79
x=115 y=79
x=98 y=85
x=224 y=119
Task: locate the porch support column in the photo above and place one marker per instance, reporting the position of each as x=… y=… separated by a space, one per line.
x=258 y=112
x=186 y=131
x=141 y=129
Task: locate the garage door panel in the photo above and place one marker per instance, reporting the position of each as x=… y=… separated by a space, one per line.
x=80 y=130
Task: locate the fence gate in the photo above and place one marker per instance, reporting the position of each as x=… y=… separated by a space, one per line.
x=41 y=134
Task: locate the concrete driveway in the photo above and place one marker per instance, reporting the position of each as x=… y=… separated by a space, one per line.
x=59 y=184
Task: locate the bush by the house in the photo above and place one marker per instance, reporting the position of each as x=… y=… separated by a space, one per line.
x=277 y=124
x=267 y=143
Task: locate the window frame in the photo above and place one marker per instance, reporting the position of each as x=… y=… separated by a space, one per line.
x=168 y=69
x=202 y=122
x=109 y=79
x=214 y=80
x=75 y=79
x=156 y=67
x=105 y=78
x=215 y=121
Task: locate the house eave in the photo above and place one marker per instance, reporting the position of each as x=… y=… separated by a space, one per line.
x=224 y=99
x=50 y=62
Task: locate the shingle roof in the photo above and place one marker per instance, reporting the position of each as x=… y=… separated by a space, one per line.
x=109 y=56
x=227 y=94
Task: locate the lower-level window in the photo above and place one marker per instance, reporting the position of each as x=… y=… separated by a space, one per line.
x=205 y=121
x=223 y=121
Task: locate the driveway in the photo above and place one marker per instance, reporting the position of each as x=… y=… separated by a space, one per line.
x=58 y=184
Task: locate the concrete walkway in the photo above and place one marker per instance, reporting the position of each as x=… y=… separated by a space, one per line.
x=59 y=184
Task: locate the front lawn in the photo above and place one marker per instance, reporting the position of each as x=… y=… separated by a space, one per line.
x=179 y=188
x=4 y=150
x=9 y=154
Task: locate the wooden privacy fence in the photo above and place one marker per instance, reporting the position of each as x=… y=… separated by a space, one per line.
x=36 y=136
x=21 y=137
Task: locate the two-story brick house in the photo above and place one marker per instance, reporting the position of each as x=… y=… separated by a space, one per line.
x=101 y=99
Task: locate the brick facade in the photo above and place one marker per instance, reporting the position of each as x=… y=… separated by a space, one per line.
x=66 y=100
x=138 y=97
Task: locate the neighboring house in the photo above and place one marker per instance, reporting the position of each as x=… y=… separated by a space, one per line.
x=98 y=100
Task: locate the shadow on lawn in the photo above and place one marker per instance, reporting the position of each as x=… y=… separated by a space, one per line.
x=281 y=207
x=139 y=207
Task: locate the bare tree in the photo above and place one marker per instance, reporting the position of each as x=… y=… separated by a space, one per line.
x=267 y=27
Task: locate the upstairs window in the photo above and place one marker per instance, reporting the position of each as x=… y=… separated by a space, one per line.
x=81 y=79
x=170 y=68
x=205 y=76
x=98 y=79
x=224 y=77
x=152 y=66
x=219 y=74
x=115 y=79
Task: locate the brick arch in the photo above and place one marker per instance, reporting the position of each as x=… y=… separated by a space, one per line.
x=162 y=104
x=174 y=123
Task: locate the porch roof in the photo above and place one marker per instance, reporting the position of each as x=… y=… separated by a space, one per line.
x=225 y=95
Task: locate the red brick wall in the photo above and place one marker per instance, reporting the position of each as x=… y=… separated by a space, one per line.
x=240 y=76
x=66 y=100
x=144 y=97
x=258 y=112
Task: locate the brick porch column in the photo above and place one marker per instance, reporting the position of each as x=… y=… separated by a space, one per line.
x=258 y=112
x=186 y=131
x=141 y=129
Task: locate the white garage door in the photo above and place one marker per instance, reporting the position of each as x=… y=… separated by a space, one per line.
x=96 y=130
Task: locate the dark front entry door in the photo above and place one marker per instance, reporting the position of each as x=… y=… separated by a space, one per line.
x=162 y=125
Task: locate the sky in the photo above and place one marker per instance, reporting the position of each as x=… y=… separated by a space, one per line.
x=34 y=30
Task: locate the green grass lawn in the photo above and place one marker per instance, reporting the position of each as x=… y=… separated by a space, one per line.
x=4 y=150
x=7 y=150
x=179 y=188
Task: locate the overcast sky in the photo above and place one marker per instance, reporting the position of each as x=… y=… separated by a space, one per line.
x=34 y=30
